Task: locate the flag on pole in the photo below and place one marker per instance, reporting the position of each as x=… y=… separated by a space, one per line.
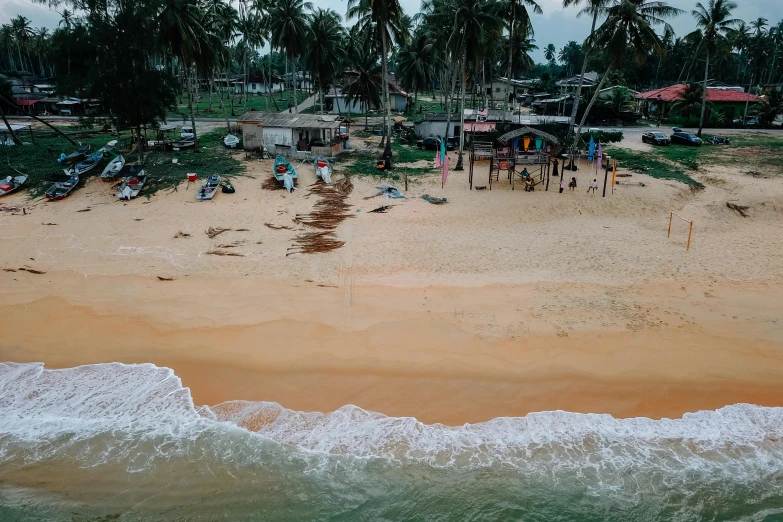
x=600 y=156
x=437 y=159
x=591 y=150
x=614 y=174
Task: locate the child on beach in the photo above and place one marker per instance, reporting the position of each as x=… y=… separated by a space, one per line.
x=562 y=185
x=593 y=186
x=572 y=184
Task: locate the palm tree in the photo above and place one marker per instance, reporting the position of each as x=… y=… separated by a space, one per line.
x=252 y=30
x=593 y=8
x=519 y=23
x=288 y=24
x=475 y=23
x=628 y=27
x=550 y=53
x=571 y=55
x=22 y=34
x=771 y=106
x=381 y=18
x=366 y=85
x=776 y=33
x=690 y=101
x=620 y=100
x=713 y=23
x=324 y=52
x=416 y=61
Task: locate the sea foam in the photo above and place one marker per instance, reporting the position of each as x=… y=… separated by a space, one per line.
x=116 y=411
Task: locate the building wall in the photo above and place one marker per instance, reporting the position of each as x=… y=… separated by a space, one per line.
x=277 y=136
x=342 y=104
x=252 y=136
x=398 y=102
x=254 y=87
x=425 y=129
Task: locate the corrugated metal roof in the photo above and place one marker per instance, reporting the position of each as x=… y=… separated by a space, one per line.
x=675 y=92
x=293 y=121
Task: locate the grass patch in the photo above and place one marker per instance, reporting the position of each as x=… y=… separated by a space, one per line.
x=255 y=102
x=39 y=161
x=688 y=157
x=652 y=166
x=364 y=162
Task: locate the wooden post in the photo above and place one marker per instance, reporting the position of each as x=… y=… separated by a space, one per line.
x=671 y=216
x=31 y=134
x=690 y=232
x=405 y=176
x=606 y=175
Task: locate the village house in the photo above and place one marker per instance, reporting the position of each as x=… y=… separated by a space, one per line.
x=294 y=135
x=729 y=102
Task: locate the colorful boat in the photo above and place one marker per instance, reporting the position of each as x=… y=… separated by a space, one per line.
x=11 y=183
x=209 y=188
x=283 y=169
x=87 y=164
x=133 y=180
x=60 y=191
x=74 y=157
x=323 y=168
x=112 y=170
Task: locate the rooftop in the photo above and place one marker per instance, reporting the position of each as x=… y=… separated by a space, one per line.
x=674 y=93
x=293 y=121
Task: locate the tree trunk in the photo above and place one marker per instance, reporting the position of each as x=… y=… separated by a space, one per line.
x=462 y=104
x=590 y=106
x=387 y=98
x=36 y=118
x=139 y=147
x=510 y=68
x=293 y=78
x=191 y=97
x=16 y=139
x=747 y=103
x=704 y=94
x=578 y=96
x=269 y=80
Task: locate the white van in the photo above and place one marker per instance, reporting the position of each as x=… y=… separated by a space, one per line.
x=186 y=133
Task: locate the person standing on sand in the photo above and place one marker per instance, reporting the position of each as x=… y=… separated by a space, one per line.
x=593 y=186
x=554 y=170
x=562 y=184
x=572 y=184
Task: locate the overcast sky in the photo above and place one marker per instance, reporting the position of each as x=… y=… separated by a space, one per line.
x=556 y=25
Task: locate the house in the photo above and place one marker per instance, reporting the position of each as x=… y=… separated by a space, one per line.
x=519 y=90
x=572 y=83
x=607 y=92
x=337 y=102
x=728 y=102
x=257 y=83
x=293 y=135
x=434 y=124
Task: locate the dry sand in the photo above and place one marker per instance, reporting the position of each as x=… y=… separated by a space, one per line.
x=499 y=303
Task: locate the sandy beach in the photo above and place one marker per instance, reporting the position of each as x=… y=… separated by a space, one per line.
x=496 y=304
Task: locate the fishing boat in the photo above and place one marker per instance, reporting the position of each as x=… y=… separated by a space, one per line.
x=133 y=180
x=209 y=188
x=231 y=141
x=11 y=183
x=182 y=144
x=87 y=164
x=323 y=168
x=60 y=191
x=112 y=170
x=74 y=157
x=282 y=170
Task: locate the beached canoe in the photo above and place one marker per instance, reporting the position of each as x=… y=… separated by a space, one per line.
x=231 y=141
x=133 y=180
x=323 y=168
x=285 y=173
x=182 y=144
x=60 y=191
x=112 y=170
x=87 y=164
x=209 y=188
x=11 y=183
x=74 y=157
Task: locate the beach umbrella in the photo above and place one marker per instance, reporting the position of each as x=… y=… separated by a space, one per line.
x=591 y=149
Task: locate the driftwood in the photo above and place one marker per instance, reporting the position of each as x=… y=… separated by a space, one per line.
x=183 y=234
x=277 y=227
x=222 y=253
x=38 y=272
x=741 y=210
x=211 y=232
x=165 y=278
x=381 y=210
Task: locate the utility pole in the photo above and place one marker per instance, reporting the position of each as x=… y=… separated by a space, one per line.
x=606 y=173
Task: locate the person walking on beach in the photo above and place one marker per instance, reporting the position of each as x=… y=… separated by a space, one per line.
x=593 y=186
x=562 y=184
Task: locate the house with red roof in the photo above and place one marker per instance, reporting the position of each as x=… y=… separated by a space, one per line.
x=728 y=101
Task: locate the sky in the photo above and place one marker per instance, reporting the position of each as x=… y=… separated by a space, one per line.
x=557 y=25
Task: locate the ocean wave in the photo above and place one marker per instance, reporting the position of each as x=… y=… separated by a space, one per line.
x=104 y=412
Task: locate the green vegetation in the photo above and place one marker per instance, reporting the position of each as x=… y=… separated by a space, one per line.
x=39 y=161
x=255 y=102
x=651 y=165
x=364 y=162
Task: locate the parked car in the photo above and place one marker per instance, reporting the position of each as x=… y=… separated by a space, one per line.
x=186 y=133
x=432 y=143
x=656 y=138
x=750 y=122
x=685 y=138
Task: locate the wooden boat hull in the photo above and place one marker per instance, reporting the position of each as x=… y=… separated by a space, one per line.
x=135 y=188
x=209 y=188
x=177 y=145
x=75 y=157
x=113 y=169
x=87 y=165
x=15 y=184
x=321 y=159
x=280 y=160
x=60 y=191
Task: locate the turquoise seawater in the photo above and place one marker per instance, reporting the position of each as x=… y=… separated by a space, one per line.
x=125 y=442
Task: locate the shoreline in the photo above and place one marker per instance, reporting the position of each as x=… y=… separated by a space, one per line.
x=441 y=354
